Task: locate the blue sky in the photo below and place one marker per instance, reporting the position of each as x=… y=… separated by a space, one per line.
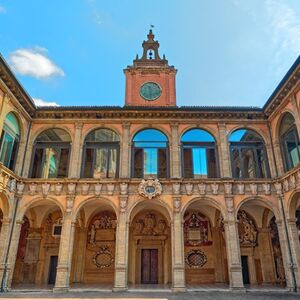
x=227 y=52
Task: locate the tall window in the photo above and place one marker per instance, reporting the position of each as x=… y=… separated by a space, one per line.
x=289 y=141
x=150 y=154
x=101 y=154
x=248 y=155
x=199 y=155
x=51 y=154
x=9 y=141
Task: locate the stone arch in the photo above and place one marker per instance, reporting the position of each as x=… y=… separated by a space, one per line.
x=111 y=127
x=154 y=127
x=52 y=126
x=91 y=200
x=208 y=201
x=143 y=204
x=257 y=130
x=293 y=204
x=260 y=201
x=5 y=204
x=202 y=127
x=276 y=133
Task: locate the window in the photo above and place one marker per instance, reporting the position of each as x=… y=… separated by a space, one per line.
x=199 y=155
x=51 y=154
x=101 y=154
x=150 y=154
x=9 y=141
x=289 y=141
x=248 y=155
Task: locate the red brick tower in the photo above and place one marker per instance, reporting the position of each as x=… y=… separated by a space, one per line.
x=150 y=81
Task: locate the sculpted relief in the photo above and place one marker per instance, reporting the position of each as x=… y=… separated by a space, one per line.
x=247 y=229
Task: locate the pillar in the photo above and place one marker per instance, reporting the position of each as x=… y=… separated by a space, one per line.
x=223 y=149
x=295 y=248
x=121 y=256
x=279 y=160
x=178 y=266
x=296 y=113
x=218 y=254
x=76 y=155
x=12 y=253
x=233 y=248
x=62 y=282
x=125 y=152
x=4 y=238
x=175 y=152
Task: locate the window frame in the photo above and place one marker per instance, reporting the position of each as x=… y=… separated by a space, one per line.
x=284 y=149
x=100 y=145
x=206 y=145
x=44 y=146
x=253 y=145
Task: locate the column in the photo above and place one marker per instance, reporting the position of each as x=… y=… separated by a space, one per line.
x=233 y=248
x=12 y=253
x=224 y=157
x=125 y=152
x=175 y=152
x=270 y=156
x=285 y=252
x=178 y=266
x=76 y=152
x=62 y=282
x=4 y=237
x=295 y=248
x=218 y=254
x=121 y=257
x=279 y=160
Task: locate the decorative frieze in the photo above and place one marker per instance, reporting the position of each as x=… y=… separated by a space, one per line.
x=150 y=188
x=189 y=188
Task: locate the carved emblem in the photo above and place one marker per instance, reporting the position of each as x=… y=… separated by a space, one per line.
x=150 y=188
x=247 y=229
x=103 y=258
x=196 y=258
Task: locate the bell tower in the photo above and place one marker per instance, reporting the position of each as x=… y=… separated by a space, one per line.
x=150 y=81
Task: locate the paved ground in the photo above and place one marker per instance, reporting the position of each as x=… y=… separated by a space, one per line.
x=154 y=295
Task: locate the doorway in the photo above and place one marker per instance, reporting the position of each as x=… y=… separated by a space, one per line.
x=245 y=269
x=52 y=269
x=149 y=265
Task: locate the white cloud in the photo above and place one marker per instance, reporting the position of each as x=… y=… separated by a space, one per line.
x=41 y=102
x=285 y=24
x=2 y=9
x=34 y=62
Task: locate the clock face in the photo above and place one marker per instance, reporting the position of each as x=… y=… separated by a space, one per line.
x=150 y=91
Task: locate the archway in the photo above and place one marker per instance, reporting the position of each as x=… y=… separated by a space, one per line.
x=93 y=261
x=149 y=245
x=260 y=249
x=204 y=245
x=38 y=247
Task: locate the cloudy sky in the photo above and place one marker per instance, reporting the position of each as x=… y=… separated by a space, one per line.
x=73 y=52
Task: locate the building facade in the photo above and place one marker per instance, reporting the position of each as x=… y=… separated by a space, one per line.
x=149 y=193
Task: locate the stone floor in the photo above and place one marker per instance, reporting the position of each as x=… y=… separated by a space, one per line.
x=208 y=295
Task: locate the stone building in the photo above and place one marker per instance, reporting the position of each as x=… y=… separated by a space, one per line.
x=149 y=193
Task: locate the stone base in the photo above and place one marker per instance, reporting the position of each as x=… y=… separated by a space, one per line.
x=238 y=289
x=179 y=289
x=60 y=289
x=120 y=289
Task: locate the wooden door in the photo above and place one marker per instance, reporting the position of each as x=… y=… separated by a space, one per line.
x=149 y=265
x=52 y=269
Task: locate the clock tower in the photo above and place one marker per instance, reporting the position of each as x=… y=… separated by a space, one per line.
x=150 y=81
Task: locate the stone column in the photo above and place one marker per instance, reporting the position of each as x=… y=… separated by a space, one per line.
x=121 y=256
x=175 y=152
x=233 y=248
x=218 y=254
x=76 y=153
x=178 y=266
x=295 y=248
x=125 y=152
x=13 y=250
x=223 y=151
x=4 y=237
x=286 y=259
x=62 y=282
x=271 y=161
x=280 y=158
